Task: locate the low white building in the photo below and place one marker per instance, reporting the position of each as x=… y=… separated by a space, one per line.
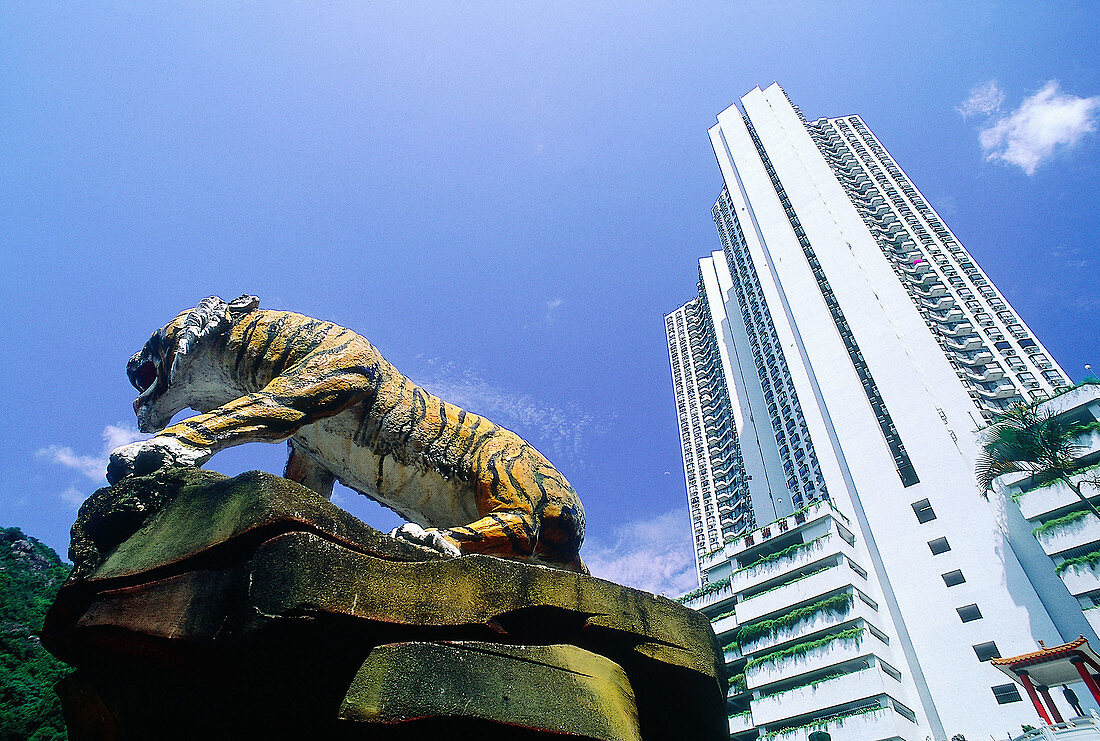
x=1065 y=528
x=807 y=643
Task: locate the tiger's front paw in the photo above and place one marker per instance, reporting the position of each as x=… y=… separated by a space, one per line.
x=146 y=456
x=429 y=538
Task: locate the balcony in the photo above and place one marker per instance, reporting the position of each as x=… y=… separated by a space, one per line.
x=958 y=329
x=806 y=589
x=807 y=630
x=1004 y=390
x=844 y=649
x=925 y=279
x=1049 y=499
x=723 y=626
x=746 y=541
x=1078 y=397
x=985 y=374
x=944 y=303
x=918 y=267
x=718 y=594
x=975 y=359
x=971 y=342
x=807 y=554
x=1092 y=614
x=1064 y=536
x=740 y=722
x=1081 y=578
x=1077 y=729
x=842 y=690
x=933 y=290
x=880 y=723
x=952 y=316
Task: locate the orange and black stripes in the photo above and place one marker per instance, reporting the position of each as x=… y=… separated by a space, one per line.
x=294 y=371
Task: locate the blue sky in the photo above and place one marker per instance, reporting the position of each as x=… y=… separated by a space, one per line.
x=504 y=198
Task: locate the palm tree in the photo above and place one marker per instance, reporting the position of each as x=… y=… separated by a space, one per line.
x=1023 y=440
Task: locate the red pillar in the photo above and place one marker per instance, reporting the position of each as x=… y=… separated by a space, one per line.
x=1045 y=692
x=1034 y=697
x=1087 y=679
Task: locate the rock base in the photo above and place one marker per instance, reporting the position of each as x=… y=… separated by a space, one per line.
x=252 y=608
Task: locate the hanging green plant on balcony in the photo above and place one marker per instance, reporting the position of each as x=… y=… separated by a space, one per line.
x=822 y=723
x=814 y=683
x=737 y=682
x=807 y=575
x=726 y=614
x=787 y=553
x=704 y=590
x=852 y=635
x=838 y=604
x=1089 y=559
x=1061 y=522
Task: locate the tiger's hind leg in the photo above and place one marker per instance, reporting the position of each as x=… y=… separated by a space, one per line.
x=304 y=468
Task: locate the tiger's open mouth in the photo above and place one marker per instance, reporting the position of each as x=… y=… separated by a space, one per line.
x=144 y=377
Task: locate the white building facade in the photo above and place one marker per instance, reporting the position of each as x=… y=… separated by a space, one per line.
x=861 y=348
x=1067 y=530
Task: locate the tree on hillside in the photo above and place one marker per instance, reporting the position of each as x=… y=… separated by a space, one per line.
x=30 y=575
x=1024 y=440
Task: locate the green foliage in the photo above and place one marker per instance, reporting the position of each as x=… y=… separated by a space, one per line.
x=726 y=614
x=703 y=590
x=1089 y=559
x=1061 y=522
x=837 y=719
x=852 y=635
x=813 y=683
x=1042 y=481
x=838 y=604
x=1023 y=440
x=786 y=553
x=793 y=581
x=30 y=575
x=737 y=682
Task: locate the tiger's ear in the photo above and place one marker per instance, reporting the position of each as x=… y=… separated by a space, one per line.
x=202 y=321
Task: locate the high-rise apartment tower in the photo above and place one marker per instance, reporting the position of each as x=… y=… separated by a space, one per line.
x=845 y=348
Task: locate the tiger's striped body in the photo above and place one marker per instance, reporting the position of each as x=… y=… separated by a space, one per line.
x=349 y=416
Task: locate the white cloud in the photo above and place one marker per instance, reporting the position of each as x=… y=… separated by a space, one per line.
x=552 y=310
x=73 y=497
x=984 y=99
x=1043 y=123
x=654 y=555
x=92 y=466
x=563 y=431
x=121 y=434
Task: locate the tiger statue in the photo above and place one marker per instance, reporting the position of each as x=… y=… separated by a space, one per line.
x=465 y=484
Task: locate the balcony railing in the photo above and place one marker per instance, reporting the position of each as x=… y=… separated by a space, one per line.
x=1076 y=729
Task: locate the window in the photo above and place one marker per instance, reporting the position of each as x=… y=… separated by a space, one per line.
x=953 y=578
x=987 y=651
x=969 y=613
x=1006 y=693
x=923 y=511
x=938 y=546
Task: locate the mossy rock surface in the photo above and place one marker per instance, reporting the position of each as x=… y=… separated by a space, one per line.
x=254 y=597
